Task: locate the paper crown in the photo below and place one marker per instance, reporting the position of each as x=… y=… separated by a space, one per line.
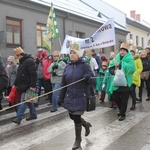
x=18 y=51
x=132 y=47
x=88 y=52
x=56 y=53
x=124 y=46
x=104 y=63
x=74 y=47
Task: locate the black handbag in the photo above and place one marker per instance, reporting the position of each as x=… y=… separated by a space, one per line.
x=91 y=104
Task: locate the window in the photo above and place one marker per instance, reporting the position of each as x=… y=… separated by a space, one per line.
x=142 y=40
x=131 y=36
x=137 y=40
x=13 y=32
x=80 y=35
x=40 y=29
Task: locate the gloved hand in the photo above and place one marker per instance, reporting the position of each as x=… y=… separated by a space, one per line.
x=54 y=74
x=103 y=87
x=96 y=70
x=101 y=73
x=87 y=77
x=55 y=67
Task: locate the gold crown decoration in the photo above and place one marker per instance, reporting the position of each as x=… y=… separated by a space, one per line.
x=104 y=63
x=89 y=52
x=124 y=46
x=133 y=47
x=18 y=51
x=74 y=46
x=55 y=53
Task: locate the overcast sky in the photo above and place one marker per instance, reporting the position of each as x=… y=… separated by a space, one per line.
x=140 y=6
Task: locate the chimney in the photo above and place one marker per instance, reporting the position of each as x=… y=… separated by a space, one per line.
x=138 y=17
x=132 y=14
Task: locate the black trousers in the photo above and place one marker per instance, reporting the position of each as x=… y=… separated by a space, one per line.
x=133 y=94
x=147 y=83
x=121 y=99
x=48 y=88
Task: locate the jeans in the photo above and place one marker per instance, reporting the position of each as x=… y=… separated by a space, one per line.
x=22 y=108
x=55 y=95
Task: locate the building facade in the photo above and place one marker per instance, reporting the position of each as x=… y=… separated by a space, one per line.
x=23 y=23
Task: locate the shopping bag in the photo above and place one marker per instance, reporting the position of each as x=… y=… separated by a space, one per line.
x=145 y=75
x=32 y=96
x=119 y=79
x=14 y=96
x=91 y=104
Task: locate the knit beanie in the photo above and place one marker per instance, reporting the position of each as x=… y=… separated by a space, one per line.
x=75 y=47
x=11 y=59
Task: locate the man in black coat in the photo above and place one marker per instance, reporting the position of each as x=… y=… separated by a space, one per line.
x=25 y=80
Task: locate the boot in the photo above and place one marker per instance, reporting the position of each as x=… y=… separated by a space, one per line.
x=77 y=143
x=114 y=105
x=139 y=100
x=1 y=107
x=87 y=126
x=133 y=107
x=111 y=104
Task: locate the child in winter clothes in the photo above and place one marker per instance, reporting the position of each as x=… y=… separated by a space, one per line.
x=105 y=87
x=101 y=74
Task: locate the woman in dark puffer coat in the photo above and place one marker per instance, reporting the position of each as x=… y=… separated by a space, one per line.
x=74 y=97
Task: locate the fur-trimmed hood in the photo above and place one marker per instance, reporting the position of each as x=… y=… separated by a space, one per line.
x=136 y=56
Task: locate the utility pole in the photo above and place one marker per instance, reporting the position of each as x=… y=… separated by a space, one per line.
x=1 y=41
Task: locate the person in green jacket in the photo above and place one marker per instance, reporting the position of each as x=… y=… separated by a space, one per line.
x=99 y=80
x=136 y=82
x=125 y=62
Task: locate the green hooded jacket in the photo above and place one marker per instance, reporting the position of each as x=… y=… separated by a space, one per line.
x=128 y=67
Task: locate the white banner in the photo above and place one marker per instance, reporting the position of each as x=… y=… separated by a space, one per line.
x=103 y=37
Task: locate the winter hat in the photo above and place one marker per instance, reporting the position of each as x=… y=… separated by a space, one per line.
x=75 y=47
x=11 y=59
x=18 y=51
x=124 y=46
x=148 y=47
x=40 y=49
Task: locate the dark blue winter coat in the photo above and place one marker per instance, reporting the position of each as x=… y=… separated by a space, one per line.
x=74 y=97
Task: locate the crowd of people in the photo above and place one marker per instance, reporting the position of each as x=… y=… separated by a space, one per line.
x=69 y=81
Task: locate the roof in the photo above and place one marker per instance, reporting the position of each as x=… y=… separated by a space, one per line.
x=79 y=8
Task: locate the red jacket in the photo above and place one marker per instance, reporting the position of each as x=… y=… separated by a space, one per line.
x=45 y=64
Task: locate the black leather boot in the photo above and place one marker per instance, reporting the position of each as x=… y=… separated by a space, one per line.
x=87 y=126
x=77 y=143
x=133 y=107
x=1 y=107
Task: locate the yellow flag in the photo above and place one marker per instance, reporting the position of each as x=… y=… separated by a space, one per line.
x=51 y=31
